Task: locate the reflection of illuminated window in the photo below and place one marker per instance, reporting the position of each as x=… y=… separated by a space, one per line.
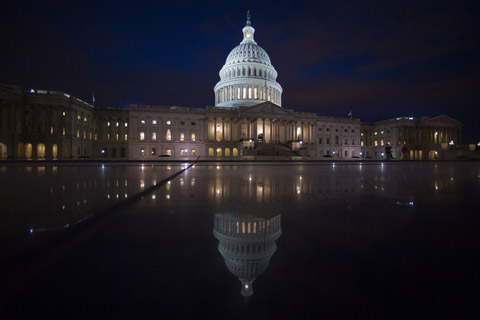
x=193 y=136
x=169 y=135
x=142 y=135
x=168 y=152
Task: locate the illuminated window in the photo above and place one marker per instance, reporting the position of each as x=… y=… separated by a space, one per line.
x=193 y=123
x=168 y=152
x=375 y=133
x=126 y=124
x=142 y=121
x=84 y=134
x=142 y=151
x=361 y=134
x=84 y=119
x=381 y=132
x=361 y=143
x=219 y=152
x=376 y=143
x=108 y=123
x=183 y=152
x=169 y=122
x=255 y=93
x=244 y=93
x=142 y=135
x=381 y=142
x=78 y=133
x=96 y=137
x=169 y=135
x=193 y=136
x=51 y=130
x=117 y=137
x=126 y=137
x=63 y=131
x=117 y=124
x=64 y=114
x=108 y=136
x=249 y=93
x=182 y=137
x=154 y=121
x=78 y=117
x=192 y=152
x=154 y=136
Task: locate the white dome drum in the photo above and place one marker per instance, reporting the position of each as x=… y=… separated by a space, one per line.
x=248 y=77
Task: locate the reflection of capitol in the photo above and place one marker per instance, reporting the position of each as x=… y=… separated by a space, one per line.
x=246 y=243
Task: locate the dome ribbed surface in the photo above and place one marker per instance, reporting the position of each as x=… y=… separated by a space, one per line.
x=248 y=52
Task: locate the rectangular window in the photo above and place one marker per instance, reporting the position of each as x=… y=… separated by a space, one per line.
x=376 y=143
x=126 y=124
x=154 y=136
x=154 y=151
x=353 y=142
x=193 y=123
x=193 y=152
x=346 y=141
x=126 y=137
x=320 y=140
x=346 y=153
x=108 y=123
x=328 y=140
x=63 y=131
x=51 y=130
x=78 y=117
x=64 y=114
x=117 y=124
x=182 y=137
x=78 y=133
x=168 y=152
x=84 y=119
x=96 y=137
x=91 y=134
x=108 y=136
x=154 y=121
x=84 y=134
x=182 y=123
x=381 y=142
x=361 y=143
x=193 y=136
x=117 y=137
x=142 y=136
x=182 y=152
x=142 y=121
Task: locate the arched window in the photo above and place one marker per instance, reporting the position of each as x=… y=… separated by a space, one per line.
x=243 y=71
x=254 y=72
x=249 y=71
x=54 y=151
x=227 y=152
x=235 y=152
x=169 y=135
x=210 y=152
x=40 y=151
x=260 y=72
x=219 y=152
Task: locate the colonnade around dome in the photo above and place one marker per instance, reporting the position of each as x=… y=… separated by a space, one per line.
x=248 y=92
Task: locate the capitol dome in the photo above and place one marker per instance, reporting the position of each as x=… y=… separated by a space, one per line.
x=247 y=78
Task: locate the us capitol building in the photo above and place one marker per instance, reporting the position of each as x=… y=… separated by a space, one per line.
x=248 y=121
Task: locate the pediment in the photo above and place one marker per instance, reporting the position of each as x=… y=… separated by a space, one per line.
x=442 y=118
x=267 y=108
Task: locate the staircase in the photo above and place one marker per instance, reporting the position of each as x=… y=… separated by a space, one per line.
x=274 y=150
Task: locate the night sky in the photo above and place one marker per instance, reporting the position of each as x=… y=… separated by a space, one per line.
x=381 y=59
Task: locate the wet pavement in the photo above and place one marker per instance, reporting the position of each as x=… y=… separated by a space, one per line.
x=267 y=240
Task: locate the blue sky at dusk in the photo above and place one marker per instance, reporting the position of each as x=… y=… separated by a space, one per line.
x=381 y=59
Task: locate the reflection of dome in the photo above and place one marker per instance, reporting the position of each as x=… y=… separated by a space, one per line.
x=246 y=243
x=248 y=77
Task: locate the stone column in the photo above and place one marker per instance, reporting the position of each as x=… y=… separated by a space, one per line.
x=263 y=130
x=223 y=129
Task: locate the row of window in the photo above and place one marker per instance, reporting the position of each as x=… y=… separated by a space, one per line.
x=168 y=152
x=336 y=130
x=168 y=136
x=337 y=141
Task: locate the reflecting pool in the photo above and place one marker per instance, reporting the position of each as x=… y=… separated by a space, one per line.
x=263 y=240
